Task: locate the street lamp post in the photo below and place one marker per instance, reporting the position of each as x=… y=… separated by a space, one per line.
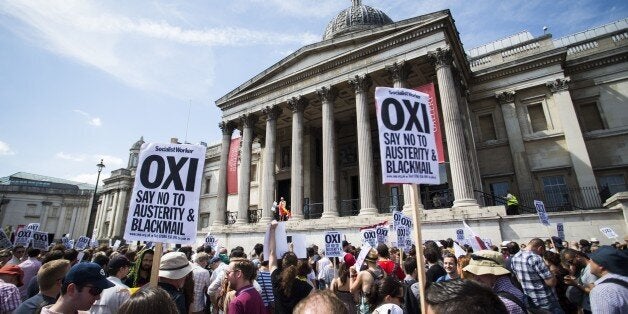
x=93 y=212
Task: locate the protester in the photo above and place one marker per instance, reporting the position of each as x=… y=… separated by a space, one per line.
x=389 y=266
x=411 y=296
x=173 y=268
x=535 y=277
x=322 y=301
x=240 y=274
x=151 y=300
x=80 y=288
x=367 y=281
x=287 y=289
x=552 y=260
x=512 y=204
x=215 y=281
x=266 y=285
x=610 y=294
x=49 y=278
x=32 y=286
x=487 y=268
x=450 y=264
x=140 y=271
x=388 y=297
x=284 y=212
x=201 y=282
x=463 y=261
x=340 y=287
x=434 y=269
x=10 y=280
x=30 y=267
x=18 y=255
x=580 y=279
x=5 y=256
x=111 y=298
x=462 y=296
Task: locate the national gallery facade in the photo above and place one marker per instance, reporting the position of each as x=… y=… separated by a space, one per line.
x=543 y=118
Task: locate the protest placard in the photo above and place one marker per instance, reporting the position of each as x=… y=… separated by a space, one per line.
x=396 y=219
x=116 y=245
x=23 y=237
x=71 y=243
x=403 y=233
x=298 y=245
x=382 y=234
x=94 y=243
x=5 y=242
x=82 y=243
x=540 y=210
x=560 y=229
x=165 y=200
x=364 y=251
x=40 y=240
x=33 y=226
x=459 y=234
x=609 y=232
x=369 y=235
x=281 y=240
x=488 y=242
x=406 y=138
x=333 y=244
x=66 y=242
x=211 y=240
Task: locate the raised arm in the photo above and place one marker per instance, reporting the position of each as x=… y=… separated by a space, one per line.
x=272 y=247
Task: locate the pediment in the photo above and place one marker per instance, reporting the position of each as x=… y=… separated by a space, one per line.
x=329 y=51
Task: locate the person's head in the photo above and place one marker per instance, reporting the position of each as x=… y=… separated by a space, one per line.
x=431 y=254
x=607 y=259
x=573 y=258
x=187 y=250
x=173 y=267
x=258 y=249
x=382 y=251
x=152 y=300
x=536 y=246
x=101 y=259
x=371 y=258
x=486 y=266
x=119 y=266
x=83 y=285
x=289 y=272
x=552 y=259
x=214 y=262
x=462 y=296
x=33 y=252
x=450 y=263
x=410 y=266
x=50 y=275
x=321 y=301
x=241 y=272
x=12 y=274
x=512 y=248
x=201 y=259
x=463 y=261
x=389 y=290
x=146 y=263
x=70 y=255
x=18 y=251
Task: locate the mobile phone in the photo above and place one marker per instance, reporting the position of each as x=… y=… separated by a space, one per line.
x=289 y=239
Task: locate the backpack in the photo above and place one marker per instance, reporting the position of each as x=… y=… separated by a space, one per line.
x=615 y=281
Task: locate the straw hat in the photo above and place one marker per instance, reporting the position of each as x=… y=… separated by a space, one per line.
x=487 y=262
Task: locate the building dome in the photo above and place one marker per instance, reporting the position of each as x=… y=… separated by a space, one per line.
x=358 y=17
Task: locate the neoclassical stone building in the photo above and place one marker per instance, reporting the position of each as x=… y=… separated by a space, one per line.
x=541 y=117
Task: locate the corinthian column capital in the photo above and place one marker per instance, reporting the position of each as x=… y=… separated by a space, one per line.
x=248 y=120
x=441 y=57
x=327 y=93
x=271 y=112
x=361 y=83
x=558 y=85
x=505 y=97
x=399 y=71
x=227 y=127
x=298 y=104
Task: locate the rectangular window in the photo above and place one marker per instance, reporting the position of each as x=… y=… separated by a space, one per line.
x=487 y=127
x=208 y=182
x=616 y=183
x=538 y=121
x=55 y=212
x=254 y=173
x=32 y=211
x=555 y=190
x=285 y=157
x=590 y=117
x=498 y=192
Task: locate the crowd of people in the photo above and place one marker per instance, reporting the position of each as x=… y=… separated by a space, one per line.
x=540 y=276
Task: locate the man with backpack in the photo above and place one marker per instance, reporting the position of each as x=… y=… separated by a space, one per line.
x=610 y=294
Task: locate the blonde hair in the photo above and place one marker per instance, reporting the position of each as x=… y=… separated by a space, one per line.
x=51 y=272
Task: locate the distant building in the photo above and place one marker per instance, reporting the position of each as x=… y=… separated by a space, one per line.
x=59 y=206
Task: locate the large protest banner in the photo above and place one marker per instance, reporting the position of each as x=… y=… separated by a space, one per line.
x=433 y=105
x=165 y=199
x=406 y=138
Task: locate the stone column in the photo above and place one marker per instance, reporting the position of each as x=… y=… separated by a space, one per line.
x=368 y=206
x=454 y=132
x=120 y=217
x=297 y=105
x=515 y=140
x=217 y=215
x=73 y=222
x=114 y=213
x=330 y=182
x=102 y=233
x=399 y=72
x=244 y=177
x=59 y=232
x=44 y=214
x=573 y=135
x=270 y=150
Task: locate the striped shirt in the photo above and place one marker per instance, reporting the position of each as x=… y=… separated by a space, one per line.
x=532 y=272
x=263 y=278
x=609 y=297
x=9 y=297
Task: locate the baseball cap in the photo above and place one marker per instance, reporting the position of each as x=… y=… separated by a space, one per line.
x=119 y=262
x=82 y=274
x=612 y=259
x=14 y=270
x=174 y=265
x=215 y=259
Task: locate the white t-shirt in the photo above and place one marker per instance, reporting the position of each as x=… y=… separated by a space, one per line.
x=388 y=308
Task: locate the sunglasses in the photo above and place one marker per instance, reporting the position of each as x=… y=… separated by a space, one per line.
x=95 y=291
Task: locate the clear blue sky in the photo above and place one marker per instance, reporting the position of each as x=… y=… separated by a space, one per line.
x=83 y=80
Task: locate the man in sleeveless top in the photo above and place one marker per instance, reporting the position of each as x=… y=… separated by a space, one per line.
x=363 y=281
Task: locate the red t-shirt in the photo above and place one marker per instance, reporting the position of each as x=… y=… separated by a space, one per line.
x=388 y=266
